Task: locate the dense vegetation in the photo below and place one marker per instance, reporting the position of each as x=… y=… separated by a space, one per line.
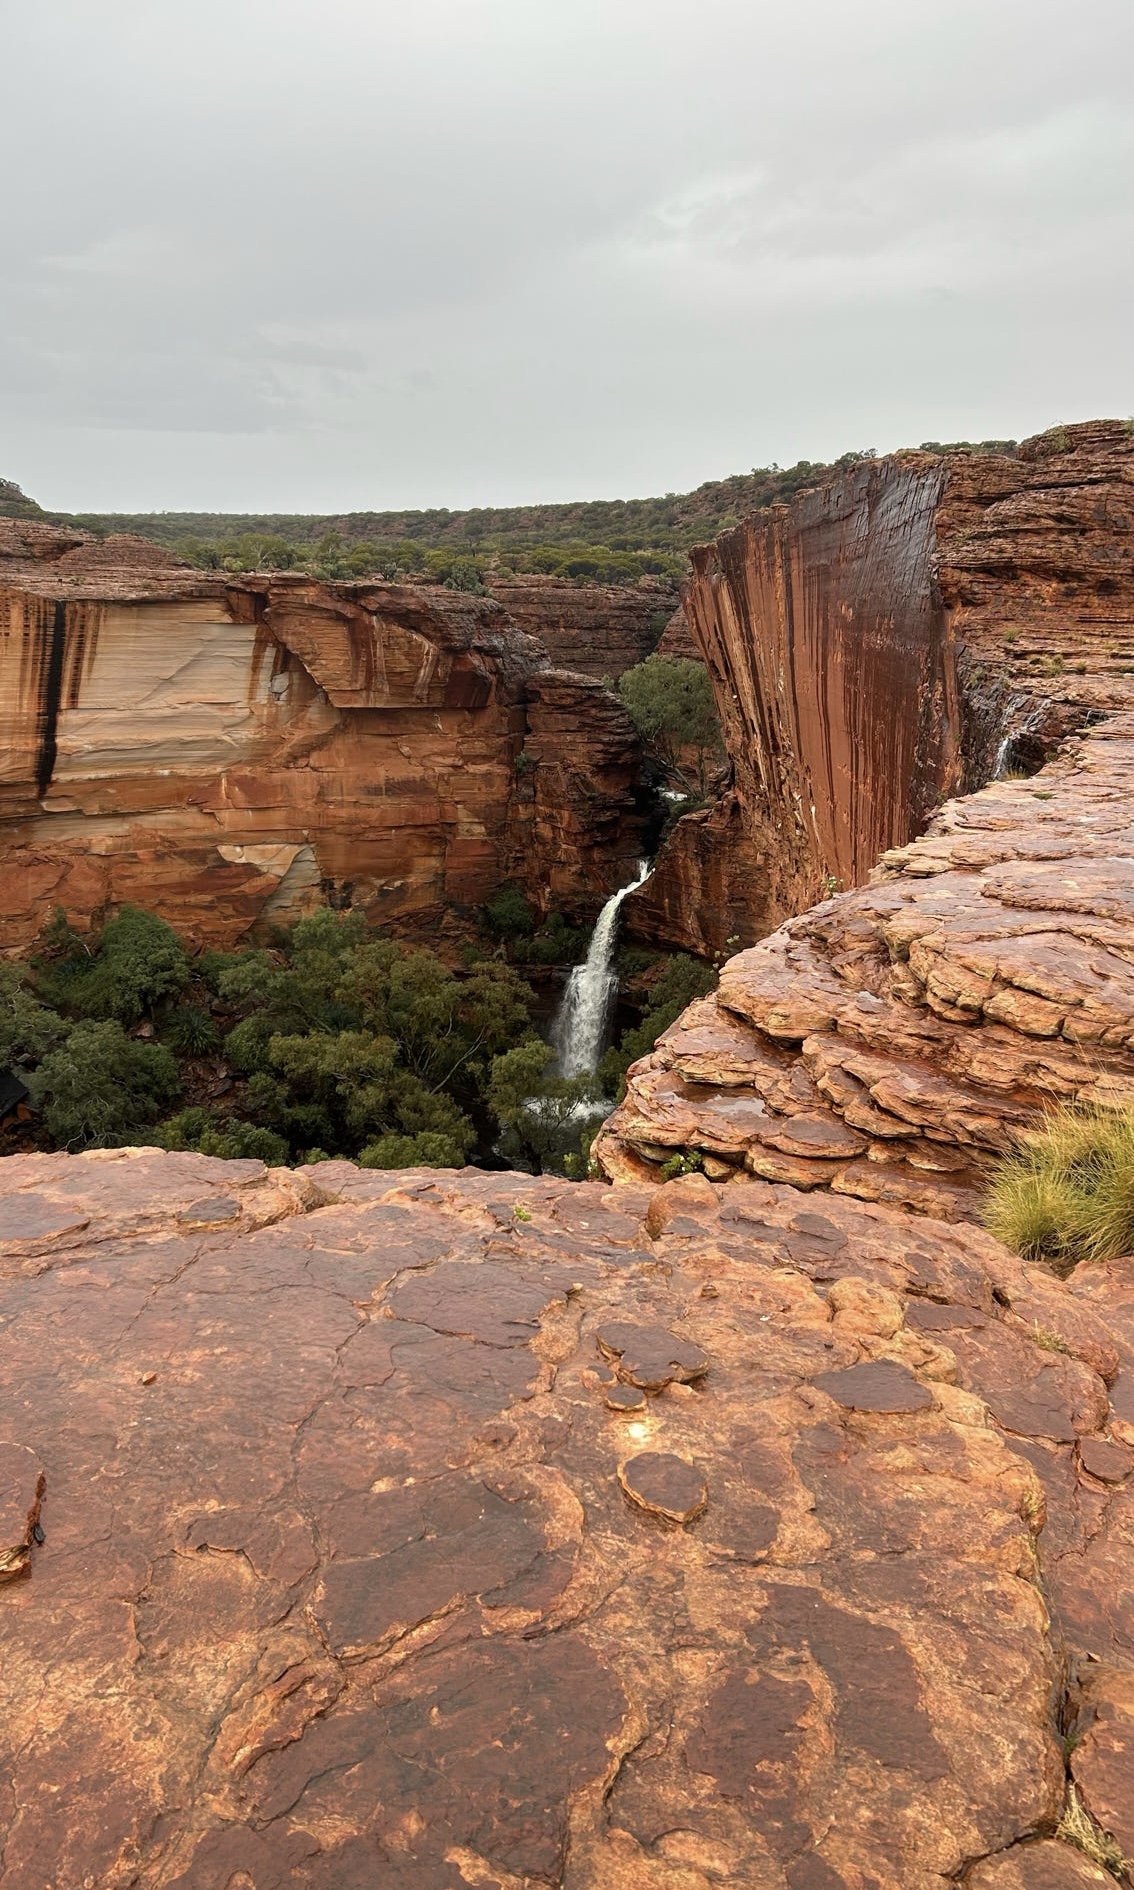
x=610 y=541
x=1067 y=1194
x=336 y=1041
x=669 y=699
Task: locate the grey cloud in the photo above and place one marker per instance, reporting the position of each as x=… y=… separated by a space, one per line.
x=343 y=252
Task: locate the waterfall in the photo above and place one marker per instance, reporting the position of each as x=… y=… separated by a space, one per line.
x=579 y=1030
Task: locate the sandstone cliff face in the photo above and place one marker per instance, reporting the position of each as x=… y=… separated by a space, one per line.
x=430 y=1530
x=890 y=639
x=231 y=751
x=594 y=629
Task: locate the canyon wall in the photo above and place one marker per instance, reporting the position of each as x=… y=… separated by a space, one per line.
x=230 y=751
x=885 y=641
x=594 y=629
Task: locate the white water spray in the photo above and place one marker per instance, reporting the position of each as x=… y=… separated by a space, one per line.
x=579 y=1030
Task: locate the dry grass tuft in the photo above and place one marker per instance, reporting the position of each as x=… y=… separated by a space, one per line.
x=1068 y=1193
x=1077 y=1827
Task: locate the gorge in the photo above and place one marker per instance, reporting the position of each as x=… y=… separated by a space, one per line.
x=770 y=1525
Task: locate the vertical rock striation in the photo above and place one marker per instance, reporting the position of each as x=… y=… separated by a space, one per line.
x=884 y=641
x=229 y=751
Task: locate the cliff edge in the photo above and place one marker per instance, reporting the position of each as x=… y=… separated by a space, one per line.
x=899 y=635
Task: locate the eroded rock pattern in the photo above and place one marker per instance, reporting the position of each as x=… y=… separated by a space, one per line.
x=350 y=1574
x=235 y=750
x=888 y=1043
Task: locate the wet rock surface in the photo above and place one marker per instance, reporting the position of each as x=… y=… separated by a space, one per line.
x=350 y=1575
x=888 y=1043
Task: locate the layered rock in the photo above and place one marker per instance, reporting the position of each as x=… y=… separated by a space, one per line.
x=228 y=751
x=888 y=1043
x=597 y=630
x=889 y=639
x=433 y=1530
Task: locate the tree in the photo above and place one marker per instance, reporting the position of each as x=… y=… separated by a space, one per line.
x=99 y=1087
x=137 y=962
x=541 y=1116
x=28 y=1030
x=669 y=699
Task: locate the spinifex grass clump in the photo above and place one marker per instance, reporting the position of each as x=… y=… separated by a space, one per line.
x=1068 y=1194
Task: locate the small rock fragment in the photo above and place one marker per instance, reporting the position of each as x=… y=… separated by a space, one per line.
x=665 y=1485
x=148 y=1378
x=22 y=1485
x=626 y=1398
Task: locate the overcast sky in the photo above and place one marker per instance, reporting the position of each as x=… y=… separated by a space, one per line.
x=324 y=254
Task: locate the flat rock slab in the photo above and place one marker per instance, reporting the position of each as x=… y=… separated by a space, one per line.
x=625 y=1398
x=352 y=1567
x=1047 y=1865
x=650 y=1356
x=35 y=1217
x=879 y=1385
x=1110 y=1463
x=665 y=1485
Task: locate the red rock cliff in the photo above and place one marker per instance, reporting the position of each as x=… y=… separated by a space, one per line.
x=595 y=629
x=884 y=641
x=229 y=751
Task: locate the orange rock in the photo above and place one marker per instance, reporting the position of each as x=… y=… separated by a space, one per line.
x=230 y=751
x=355 y=1586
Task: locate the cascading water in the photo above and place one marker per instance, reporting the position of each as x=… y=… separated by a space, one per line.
x=579 y=1030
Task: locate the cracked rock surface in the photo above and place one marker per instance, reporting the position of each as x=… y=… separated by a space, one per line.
x=886 y=1044
x=352 y=1576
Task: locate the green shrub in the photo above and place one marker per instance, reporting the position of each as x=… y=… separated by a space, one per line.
x=541 y=1116
x=509 y=915
x=99 y=1087
x=685 y=1162
x=190 y=1031
x=557 y=942
x=137 y=961
x=669 y=699
x=231 y=1139
x=28 y=1030
x=1068 y=1193
x=427 y=1150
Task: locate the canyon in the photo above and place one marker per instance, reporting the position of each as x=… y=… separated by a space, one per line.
x=767 y=1525
x=229 y=751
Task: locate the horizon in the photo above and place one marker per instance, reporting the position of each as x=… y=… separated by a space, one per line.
x=523 y=504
